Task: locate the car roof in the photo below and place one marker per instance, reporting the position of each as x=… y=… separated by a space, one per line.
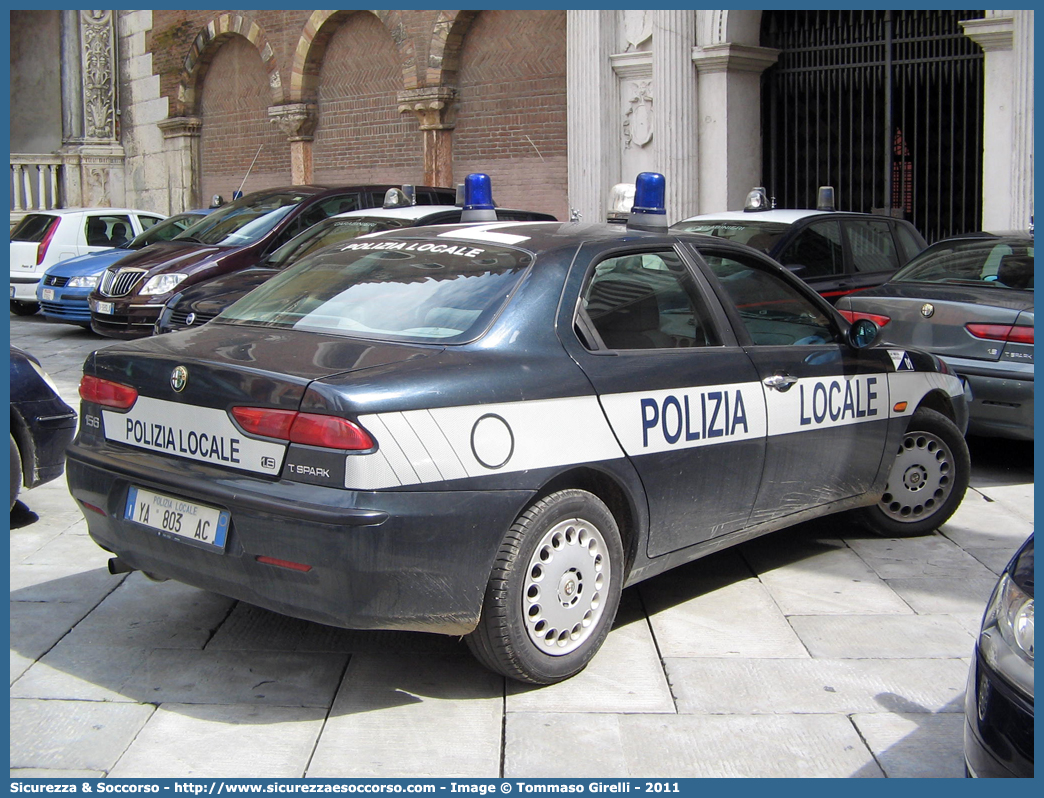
x=407 y=212
x=779 y=215
x=72 y=211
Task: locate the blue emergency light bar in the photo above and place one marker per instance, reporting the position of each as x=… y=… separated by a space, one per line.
x=649 y=211
x=478 y=199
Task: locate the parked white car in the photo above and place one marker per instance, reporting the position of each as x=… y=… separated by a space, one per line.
x=44 y=238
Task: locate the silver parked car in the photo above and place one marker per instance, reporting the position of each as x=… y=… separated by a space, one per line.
x=970 y=301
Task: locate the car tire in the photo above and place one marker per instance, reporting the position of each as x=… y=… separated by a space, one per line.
x=554 y=590
x=927 y=481
x=16 y=470
x=24 y=308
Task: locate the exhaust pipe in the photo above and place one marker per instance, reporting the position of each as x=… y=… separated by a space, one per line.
x=118 y=566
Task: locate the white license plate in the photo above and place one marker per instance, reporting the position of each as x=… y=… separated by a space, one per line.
x=48 y=294
x=203 y=525
x=12 y=292
x=104 y=308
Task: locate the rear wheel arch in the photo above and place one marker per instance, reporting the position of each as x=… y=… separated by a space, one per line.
x=615 y=496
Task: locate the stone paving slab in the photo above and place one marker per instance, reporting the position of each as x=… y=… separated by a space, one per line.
x=413 y=717
x=982 y=524
x=625 y=676
x=691 y=610
x=928 y=556
x=915 y=746
x=944 y=596
x=73 y=735
x=700 y=746
x=221 y=741
x=825 y=577
x=99 y=673
x=773 y=686
x=141 y=613
x=883 y=636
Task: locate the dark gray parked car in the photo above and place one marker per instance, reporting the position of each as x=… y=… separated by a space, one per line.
x=970 y=301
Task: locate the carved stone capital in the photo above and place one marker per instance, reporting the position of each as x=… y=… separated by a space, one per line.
x=180 y=126
x=435 y=107
x=991 y=33
x=296 y=120
x=729 y=57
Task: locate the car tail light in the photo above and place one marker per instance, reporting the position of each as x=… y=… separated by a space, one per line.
x=1009 y=333
x=310 y=429
x=265 y=421
x=855 y=315
x=41 y=250
x=107 y=393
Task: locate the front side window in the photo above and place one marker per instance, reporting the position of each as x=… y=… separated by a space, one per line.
x=645 y=301
x=399 y=290
x=773 y=312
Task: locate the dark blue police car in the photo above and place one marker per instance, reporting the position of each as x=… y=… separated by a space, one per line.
x=489 y=430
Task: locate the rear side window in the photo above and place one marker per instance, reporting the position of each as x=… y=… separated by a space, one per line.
x=908 y=243
x=645 y=301
x=148 y=221
x=817 y=251
x=438 y=291
x=108 y=230
x=873 y=249
x=33 y=227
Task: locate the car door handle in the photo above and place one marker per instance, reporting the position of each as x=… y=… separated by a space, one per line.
x=780 y=382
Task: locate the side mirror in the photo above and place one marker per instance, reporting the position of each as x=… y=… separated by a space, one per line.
x=862 y=333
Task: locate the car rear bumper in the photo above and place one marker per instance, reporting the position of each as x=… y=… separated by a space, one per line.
x=998 y=730
x=1002 y=398
x=23 y=288
x=403 y=560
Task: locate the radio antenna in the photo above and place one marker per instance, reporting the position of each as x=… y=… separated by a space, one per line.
x=236 y=195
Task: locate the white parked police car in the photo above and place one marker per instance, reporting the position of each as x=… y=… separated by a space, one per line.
x=489 y=430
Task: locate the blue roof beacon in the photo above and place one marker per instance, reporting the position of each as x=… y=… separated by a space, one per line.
x=649 y=211
x=478 y=199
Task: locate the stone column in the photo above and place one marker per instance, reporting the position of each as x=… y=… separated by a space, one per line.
x=1006 y=38
x=674 y=87
x=298 y=121
x=93 y=159
x=594 y=141
x=181 y=147
x=729 y=79
x=436 y=110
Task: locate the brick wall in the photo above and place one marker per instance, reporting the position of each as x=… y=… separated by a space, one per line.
x=512 y=117
x=234 y=111
x=361 y=136
x=511 y=78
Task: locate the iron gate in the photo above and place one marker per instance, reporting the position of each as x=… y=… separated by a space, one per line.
x=886 y=106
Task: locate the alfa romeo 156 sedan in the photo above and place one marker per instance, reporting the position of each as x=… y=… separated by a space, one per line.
x=491 y=429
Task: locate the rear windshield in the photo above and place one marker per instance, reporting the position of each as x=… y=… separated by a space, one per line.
x=760 y=235
x=413 y=291
x=243 y=221
x=33 y=228
x=1001 y=264
x=325 y=234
